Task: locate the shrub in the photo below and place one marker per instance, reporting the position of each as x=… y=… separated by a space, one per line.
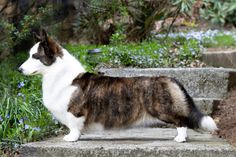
x=101 y=21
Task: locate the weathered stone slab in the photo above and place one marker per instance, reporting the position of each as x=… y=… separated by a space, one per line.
x=138 y=142
x=206 y=105
x=220 y=58
x=199 y=82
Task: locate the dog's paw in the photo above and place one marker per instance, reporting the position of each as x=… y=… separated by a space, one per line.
x=71 y=137
x=180 y=139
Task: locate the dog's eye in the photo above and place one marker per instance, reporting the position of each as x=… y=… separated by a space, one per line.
x=35 y=56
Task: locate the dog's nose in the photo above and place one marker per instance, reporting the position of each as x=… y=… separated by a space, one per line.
x=20 y=69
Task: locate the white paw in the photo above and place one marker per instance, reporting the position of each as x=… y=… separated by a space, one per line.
x=180 y=139
x=71 y=137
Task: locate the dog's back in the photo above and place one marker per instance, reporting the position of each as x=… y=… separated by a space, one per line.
x=119 y=102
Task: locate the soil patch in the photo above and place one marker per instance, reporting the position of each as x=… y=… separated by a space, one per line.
x=225 y=116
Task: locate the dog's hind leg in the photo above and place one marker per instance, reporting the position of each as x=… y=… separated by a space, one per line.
x=181 y=134
x=75 y=124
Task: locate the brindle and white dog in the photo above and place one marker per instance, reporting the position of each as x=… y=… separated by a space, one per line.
x=79 y=99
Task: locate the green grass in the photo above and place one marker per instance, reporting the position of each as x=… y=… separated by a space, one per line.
x=220 y=41
x=23 y=118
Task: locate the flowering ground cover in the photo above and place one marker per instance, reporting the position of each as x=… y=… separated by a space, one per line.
x=207 y=39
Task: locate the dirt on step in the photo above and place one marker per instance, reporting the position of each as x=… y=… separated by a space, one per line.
x=225 y=116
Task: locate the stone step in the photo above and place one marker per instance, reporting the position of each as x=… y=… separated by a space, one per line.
x=199 y=82
x=206 y=105
x=220 y=58
x=136 y=142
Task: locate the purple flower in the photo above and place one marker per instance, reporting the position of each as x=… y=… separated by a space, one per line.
x=21 y=84
x=1 y=119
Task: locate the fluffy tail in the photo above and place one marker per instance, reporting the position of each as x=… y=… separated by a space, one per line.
x=196 y=119
x=208 y=124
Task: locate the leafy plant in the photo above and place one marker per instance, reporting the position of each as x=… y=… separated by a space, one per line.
x=184 y=5
x=118 y=37
x=218 y=11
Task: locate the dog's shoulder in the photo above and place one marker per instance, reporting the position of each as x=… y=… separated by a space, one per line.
x=85 y=78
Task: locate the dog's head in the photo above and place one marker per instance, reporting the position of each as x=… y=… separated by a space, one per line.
x=42 y=55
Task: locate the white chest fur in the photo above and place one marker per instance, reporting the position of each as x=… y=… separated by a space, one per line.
x=57 y=85
x=56 y=97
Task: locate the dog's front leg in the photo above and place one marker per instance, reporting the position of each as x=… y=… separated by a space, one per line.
x=75 y=124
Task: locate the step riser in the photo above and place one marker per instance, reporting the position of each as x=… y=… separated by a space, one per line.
x=199 y=82
x=226 y=59
x=206 y=105
x=130 y=153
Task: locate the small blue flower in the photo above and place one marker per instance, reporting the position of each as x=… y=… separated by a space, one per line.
x=36 y=128
x=1 y=119
x=21 y=121
x=26 y=126
x=21 y=95
x=54 y=119
x=8 y=116
x=21 y=84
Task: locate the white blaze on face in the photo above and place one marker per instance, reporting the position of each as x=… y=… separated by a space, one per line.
x=32 y=66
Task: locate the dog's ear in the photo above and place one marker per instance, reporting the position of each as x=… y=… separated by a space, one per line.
x=43 y=35
x=37 y=37
x=40 y=35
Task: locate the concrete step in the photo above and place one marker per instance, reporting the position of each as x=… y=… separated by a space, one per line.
x=136 y=142
x=199 y=82
x=206 y=105
x=220 y=58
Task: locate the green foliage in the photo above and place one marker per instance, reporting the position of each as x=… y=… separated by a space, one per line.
x=218 y=12
x=13 y=35
x=184 y=5
x=23 y=118
x=30 y=21
x=103 y=20
x=220 y=40
x=6 y=37
x=118 y=37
